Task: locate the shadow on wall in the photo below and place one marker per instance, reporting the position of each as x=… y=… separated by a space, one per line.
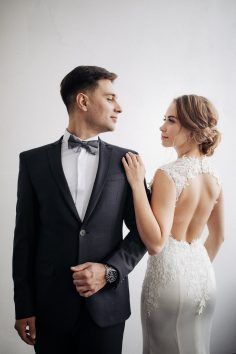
x=224 y=332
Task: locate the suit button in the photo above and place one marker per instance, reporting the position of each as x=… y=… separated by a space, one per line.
x=82 y=232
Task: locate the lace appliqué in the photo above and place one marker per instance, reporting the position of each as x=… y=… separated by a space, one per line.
x=190 y=262
x=186 y=168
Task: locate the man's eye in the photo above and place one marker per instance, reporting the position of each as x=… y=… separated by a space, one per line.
x=109 y=99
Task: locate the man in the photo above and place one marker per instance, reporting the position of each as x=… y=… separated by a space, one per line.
x=70 y=261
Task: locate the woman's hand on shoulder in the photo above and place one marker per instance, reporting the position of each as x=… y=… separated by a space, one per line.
x=134 y=169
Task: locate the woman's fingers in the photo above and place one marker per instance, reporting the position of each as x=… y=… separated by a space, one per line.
x=133 y=158
x=127 y=161
x=130 y=160
x=139 y=159
x=125 y=164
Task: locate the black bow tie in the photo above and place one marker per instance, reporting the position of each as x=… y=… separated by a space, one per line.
x=90 y=146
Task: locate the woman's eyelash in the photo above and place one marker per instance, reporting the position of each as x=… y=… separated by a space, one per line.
x=169 y=119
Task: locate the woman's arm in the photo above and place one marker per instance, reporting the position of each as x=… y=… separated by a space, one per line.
x=154 y=223
x=215 y=226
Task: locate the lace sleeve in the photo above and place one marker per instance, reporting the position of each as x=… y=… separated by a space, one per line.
x=174 y=174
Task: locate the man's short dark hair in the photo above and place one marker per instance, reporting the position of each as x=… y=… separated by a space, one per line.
x=82 y=78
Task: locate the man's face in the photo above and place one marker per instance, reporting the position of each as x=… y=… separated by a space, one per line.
x=102 y=107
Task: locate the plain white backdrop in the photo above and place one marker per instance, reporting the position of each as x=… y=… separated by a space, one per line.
x=159 y=49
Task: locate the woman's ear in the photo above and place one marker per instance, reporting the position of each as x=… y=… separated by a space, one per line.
x=190 y=136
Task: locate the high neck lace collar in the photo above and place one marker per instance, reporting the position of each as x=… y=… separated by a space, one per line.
x=188 y=157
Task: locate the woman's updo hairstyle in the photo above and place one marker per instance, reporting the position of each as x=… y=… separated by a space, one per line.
x=198 y=115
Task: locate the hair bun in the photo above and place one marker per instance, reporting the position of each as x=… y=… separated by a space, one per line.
x=211 y=141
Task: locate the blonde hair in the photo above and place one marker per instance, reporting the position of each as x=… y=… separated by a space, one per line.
x=198 y=115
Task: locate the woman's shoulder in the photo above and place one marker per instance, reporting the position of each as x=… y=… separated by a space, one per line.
x=166 y=168
x=175 y=168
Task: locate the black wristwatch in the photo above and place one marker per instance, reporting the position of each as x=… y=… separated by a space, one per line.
x=111 y=274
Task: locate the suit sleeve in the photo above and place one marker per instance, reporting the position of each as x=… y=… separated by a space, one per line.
x=24 y=244
x=132 y=248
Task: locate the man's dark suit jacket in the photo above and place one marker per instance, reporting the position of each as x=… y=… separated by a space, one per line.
x=50 y=238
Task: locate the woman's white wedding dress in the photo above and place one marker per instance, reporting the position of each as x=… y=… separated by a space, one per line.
x=178 y=295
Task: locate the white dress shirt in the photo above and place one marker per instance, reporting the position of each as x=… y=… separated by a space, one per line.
x=80 y=169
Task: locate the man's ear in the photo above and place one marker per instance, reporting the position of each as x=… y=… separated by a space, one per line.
x=82 y=101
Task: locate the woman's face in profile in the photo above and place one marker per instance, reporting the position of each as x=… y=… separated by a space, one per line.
x=172 y=133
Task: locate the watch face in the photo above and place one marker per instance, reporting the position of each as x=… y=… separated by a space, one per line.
x=111 y=275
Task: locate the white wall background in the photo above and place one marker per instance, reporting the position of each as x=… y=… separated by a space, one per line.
x=159 y=49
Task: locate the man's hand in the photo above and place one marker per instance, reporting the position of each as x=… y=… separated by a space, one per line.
x=26 y=329
x=89 y=278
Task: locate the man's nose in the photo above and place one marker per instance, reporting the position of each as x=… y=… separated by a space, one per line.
x=118 y=108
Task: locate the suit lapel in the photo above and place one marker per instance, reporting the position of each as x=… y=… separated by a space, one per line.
x=54 y=155
x=105 y=153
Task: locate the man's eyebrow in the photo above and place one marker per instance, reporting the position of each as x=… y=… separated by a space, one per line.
x=111 y=94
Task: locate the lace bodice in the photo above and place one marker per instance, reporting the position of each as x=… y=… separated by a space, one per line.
x=186 y=168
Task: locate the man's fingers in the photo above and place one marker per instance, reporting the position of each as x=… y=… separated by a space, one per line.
x=26 y=329
x=86 y=293
x=24 y=334
x=82 y=282
x=82 y=289
x=80 y=267
x=27 y=339
x=83 y=275
x=79 y=282
x=32 y=329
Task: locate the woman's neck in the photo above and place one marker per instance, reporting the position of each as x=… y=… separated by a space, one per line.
x=192 y=151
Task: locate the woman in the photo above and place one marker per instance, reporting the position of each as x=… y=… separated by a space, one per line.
x=178 y=296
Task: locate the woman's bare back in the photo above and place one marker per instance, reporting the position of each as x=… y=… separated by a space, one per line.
x=197 y=188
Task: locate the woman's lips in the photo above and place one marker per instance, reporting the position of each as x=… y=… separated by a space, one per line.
x=164 y=137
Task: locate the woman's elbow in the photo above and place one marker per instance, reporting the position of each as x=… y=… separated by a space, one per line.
x=153 y=251
x=221 y=238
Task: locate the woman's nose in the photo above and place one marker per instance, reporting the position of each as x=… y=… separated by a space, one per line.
x=162 y=128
